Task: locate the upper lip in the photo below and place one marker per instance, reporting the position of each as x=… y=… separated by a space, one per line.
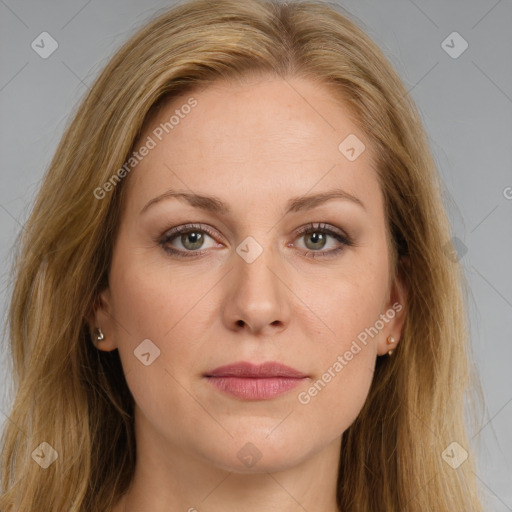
x=265 y=370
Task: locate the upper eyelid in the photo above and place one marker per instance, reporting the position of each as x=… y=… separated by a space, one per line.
x=303 y=230
x=205 y=227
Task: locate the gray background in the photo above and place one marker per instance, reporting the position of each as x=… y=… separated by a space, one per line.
x=465 y=102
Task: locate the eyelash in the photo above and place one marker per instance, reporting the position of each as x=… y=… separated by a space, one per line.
x=170 y=235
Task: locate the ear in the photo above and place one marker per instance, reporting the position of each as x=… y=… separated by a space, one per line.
x=101 y=316
x=395 y=310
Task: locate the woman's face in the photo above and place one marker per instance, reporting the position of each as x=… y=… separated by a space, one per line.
x=250 y=165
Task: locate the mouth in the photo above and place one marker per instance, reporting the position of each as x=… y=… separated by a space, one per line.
x=249 y=381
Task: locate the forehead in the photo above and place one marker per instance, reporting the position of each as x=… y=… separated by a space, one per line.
x=254 y=137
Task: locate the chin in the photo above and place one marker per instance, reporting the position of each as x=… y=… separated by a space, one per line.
x=259 y=453
x=270 y=462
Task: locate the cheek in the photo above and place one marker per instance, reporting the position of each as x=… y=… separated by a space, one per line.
x=150 y=298
x=147 y=306
x=352 y=301
x=346 y=356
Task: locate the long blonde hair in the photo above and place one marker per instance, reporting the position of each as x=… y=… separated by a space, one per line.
x=75 y=397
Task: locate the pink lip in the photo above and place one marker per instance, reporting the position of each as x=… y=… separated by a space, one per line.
x=255 y=382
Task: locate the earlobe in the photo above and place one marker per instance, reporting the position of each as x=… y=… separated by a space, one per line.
x=100 y=323
x=391 y=342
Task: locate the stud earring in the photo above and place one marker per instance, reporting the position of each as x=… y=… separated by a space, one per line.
x=99 y=334
x=390 y=341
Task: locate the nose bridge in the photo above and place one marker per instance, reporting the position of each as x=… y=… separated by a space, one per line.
x=258 y=298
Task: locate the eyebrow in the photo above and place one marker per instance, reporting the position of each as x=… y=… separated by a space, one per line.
x=215 y=205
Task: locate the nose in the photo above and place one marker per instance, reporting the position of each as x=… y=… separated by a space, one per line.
x=258 y=298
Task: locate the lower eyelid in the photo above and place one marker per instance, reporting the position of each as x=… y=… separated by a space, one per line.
x=342 y=239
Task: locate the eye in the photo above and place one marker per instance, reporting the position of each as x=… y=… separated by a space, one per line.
x=190 y=236
x=316 y=238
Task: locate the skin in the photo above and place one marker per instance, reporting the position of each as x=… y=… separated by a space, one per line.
x=254 y=144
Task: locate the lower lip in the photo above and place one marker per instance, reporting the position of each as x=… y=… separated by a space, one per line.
x=255 y=388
